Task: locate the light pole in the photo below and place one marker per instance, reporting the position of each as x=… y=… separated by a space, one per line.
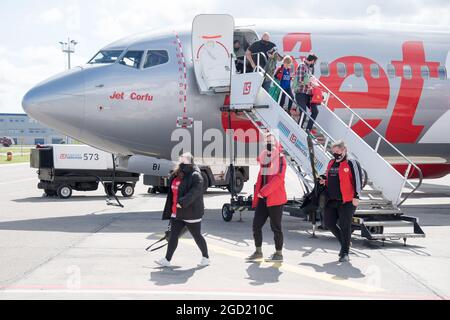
x=69 y=48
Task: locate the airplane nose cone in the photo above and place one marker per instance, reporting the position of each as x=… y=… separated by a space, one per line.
x=33 y=100
x=58 y=102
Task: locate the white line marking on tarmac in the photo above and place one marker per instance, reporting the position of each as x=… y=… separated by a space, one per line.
x=17 y=181
x=183 y=293
x=3 y=166
x=298 y=270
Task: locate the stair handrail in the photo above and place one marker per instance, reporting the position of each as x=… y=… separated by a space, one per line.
x=381 y=138
x=282 y=91
x=304 y=114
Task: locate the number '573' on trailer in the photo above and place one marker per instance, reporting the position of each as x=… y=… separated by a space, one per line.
x=64 y=168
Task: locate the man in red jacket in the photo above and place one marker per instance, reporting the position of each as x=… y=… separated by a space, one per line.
x=269 y=199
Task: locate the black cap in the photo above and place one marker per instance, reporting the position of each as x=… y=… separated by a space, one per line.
x=312 y=57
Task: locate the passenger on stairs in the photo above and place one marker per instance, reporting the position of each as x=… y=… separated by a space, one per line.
x=344 y=184
x=283 y=74
x=270 y=198
x=303 y=84
x=265 y=49
x=316 y=100
x=239 y=54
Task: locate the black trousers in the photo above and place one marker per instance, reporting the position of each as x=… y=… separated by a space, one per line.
x=304 y=102
x=196 y=231
x=275 y=214
x=338 y=219
x=283 y=99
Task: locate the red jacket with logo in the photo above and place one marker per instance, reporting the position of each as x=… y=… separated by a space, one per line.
x=273 y=169
x=350 y=179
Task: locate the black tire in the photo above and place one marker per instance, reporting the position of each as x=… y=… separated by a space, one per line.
x=50 y=193
x=64 y=191
x=205 y=182
x=239 y=183
x=227 y=213
x=108 y=190
x=127 y=190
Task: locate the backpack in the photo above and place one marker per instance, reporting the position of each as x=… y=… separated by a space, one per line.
x=317 y=96
x=275 y=90
x=277 y=73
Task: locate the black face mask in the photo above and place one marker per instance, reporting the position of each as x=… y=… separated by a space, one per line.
x=338 y=156
x=269 y=147
x=185 y=168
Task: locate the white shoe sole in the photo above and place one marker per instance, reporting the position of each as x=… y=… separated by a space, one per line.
x=201 y=265
x=163 y=265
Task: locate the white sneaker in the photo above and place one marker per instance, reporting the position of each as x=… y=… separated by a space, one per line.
x=163 y=263
x=204 y=263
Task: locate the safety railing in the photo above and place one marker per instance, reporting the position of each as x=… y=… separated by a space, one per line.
x=353 y=116
x=304 y=113
x=380 y=139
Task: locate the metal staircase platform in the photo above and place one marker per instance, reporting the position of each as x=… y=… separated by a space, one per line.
x=382 y=196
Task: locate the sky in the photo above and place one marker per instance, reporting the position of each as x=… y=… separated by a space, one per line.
x=30 y=30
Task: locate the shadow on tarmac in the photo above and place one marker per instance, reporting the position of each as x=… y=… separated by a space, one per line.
x=233 y=234
x=239 y=234
x=259 y=275
x=336 y=269
x=173 y=275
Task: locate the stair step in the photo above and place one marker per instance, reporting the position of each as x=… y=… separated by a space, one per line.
x=372 y=192
x=362 y=212
x=387 y=236
x=375 y=202
x=393 y=223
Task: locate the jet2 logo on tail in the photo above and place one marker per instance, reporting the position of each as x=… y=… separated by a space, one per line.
x=247 y=88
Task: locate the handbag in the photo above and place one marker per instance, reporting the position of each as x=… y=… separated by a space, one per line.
x=275 y=90
x=317 y=96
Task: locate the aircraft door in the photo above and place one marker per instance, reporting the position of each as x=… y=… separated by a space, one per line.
x=212 y=46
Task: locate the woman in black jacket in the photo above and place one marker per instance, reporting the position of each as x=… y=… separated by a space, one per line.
x=185 y=208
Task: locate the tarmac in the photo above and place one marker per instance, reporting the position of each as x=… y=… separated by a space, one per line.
x=83 y=249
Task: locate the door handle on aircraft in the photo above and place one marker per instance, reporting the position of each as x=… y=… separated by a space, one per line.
x=100 y=86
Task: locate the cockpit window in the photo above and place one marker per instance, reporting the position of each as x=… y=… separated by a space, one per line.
x=132 y=59
x=106 y=56
x=156 y=58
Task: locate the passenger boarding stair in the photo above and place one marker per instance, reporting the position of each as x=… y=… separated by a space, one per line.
x=379 y=216
x=215 y=72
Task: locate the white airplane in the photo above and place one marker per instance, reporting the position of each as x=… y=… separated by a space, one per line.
x=131 y=97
